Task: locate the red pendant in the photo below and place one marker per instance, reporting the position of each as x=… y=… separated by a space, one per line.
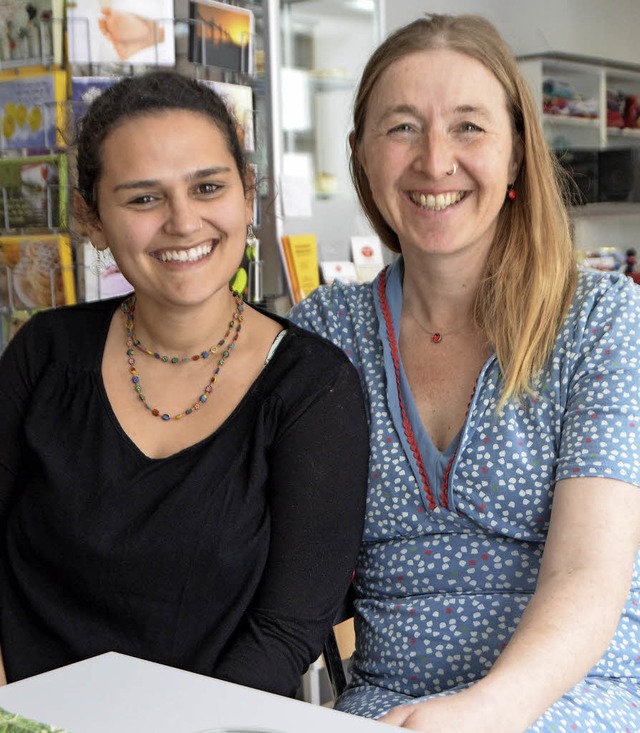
x=436 y=338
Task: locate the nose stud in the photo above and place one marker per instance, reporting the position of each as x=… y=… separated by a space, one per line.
x=453 y=170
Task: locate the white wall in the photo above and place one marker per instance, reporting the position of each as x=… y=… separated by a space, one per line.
x=604 y=28
x=342 y=45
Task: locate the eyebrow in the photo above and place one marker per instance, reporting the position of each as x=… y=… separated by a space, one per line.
x=151 y=182
x=461 y=109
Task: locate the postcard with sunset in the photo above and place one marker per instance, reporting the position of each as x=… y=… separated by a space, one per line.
x=221 y=35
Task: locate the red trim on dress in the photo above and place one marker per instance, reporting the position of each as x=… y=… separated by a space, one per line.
x=406 y=423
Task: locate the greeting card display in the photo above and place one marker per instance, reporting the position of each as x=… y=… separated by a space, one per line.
x=32 y=108
x=31 y=32
x=239 y=101
x=120 y=31
x=34 y=192
x=85 y=89
x=221 y=35
x=36 y=271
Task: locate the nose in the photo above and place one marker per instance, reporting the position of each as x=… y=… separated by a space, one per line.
x=183 y=216
x=434 y=155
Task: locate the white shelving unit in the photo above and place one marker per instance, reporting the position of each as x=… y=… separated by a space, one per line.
x=600 y=224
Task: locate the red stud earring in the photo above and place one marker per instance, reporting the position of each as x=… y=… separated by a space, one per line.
x=511 y=191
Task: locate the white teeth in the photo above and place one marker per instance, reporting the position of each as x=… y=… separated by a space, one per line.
x=186 y=255
x=437 y=203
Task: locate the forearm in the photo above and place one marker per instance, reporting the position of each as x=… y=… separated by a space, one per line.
x=3 y=676
x=553 y=647
x=583 y=584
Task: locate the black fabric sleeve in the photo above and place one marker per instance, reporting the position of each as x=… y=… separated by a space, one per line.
x=16 y=385
x=317 y=488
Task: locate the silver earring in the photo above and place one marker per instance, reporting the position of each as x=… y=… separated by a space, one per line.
x=251 y=236
x=453 y=170
x=98 y=266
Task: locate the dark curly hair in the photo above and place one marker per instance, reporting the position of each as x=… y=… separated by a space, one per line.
x=145 y=94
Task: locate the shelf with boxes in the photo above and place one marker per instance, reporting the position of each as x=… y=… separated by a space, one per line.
x=590 y=114
x=45 y=258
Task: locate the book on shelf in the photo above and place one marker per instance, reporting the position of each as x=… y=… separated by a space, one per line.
x=31 y=33
x=300 y=260
x=366 y=251
x=34 y=192
x=36 y=272
x=239 y=101
x=288 y=269
x=32 y=108
x=121 y=31
x=221 y=35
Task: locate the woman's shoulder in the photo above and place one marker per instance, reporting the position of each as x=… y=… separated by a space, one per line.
x=603 y=302
x=339 y=312
x=339 y=298
x=70 y=328
x=316 y=351
x=605 y=290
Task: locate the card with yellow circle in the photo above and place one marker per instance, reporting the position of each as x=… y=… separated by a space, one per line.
x=32 y=109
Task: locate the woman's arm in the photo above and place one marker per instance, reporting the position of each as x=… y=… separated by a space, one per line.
x=3 y=676
x=583 y=584
x=316 y=488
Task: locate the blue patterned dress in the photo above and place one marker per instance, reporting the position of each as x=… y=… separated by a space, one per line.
x=443 y=579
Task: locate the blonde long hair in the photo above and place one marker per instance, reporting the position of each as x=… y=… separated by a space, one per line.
x=530 y=273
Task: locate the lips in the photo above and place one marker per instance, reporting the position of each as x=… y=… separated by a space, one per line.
x=436 y=202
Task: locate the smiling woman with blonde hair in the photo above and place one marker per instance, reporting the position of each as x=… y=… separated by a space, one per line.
x=497 y=584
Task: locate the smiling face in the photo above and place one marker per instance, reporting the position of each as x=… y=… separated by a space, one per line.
x=430 y=113
x=172 y=207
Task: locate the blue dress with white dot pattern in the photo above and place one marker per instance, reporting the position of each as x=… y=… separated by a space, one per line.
x=441 y=588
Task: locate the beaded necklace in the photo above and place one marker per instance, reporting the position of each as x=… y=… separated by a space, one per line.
x=128 y=310
x=406 y=423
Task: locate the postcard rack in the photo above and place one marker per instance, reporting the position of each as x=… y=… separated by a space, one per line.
x=40 y=47
x=47 y=81
x=209 y=46
x=36 y=210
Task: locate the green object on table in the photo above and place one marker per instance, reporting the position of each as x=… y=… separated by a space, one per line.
x=14 y=723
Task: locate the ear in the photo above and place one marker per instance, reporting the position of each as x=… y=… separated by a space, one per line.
x=90 y=221
x=249 y=206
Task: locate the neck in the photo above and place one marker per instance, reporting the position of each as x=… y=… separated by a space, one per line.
x=182 y=330
x=439 y=296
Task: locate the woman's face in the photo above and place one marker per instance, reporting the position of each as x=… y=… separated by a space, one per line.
x=171 y=206
x=428 y=112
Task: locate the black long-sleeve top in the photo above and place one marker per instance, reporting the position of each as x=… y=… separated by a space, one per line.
x=228 y=558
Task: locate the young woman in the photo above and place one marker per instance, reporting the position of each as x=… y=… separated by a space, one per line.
x=497 y=587
x=182 y=476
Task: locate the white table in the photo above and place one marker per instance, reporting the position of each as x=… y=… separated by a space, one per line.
x=114 y=693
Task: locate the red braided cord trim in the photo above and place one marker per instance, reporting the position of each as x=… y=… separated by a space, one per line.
x=406 y=424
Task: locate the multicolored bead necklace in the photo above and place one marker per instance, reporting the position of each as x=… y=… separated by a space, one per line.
x=128 y=310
